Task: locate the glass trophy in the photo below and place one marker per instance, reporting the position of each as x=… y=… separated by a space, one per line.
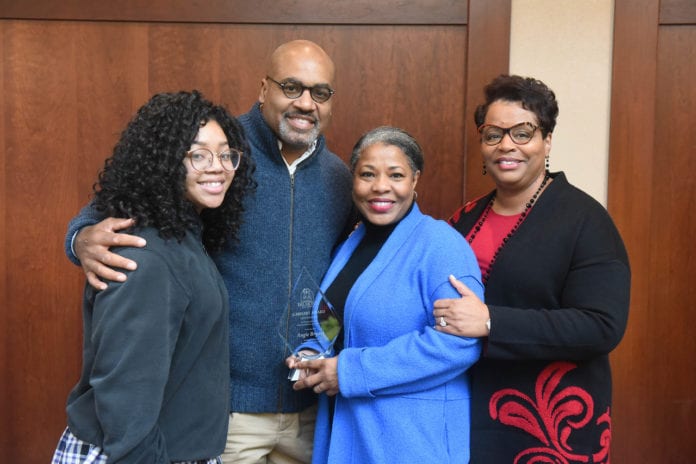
x=309 y=321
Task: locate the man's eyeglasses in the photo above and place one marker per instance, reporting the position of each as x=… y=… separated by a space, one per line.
x=520 y=133
x=294 y=89
x=202 y=158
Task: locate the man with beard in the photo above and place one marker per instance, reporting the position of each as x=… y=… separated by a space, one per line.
x=301 y=208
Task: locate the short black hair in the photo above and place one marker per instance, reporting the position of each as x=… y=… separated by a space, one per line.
x=534 y=95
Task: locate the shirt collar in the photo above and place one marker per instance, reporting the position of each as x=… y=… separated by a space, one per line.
x=292 y=167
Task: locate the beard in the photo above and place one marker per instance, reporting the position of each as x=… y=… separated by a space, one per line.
x=294 y=138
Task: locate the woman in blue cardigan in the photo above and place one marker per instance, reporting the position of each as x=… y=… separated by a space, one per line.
x=396 y=390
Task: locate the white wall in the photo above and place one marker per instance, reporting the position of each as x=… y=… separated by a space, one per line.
x=568 y=45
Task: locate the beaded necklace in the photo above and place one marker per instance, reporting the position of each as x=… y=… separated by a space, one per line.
x=521 y=218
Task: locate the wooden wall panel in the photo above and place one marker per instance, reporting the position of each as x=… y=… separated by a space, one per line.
x=244 y=11
x=43 y=321
x=631 y=165
x=4 y=307
x=651 y=192
x=67 y=89
x=672 y=253
x=677 y=12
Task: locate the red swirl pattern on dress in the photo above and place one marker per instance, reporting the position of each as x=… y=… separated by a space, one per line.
x=551 y=417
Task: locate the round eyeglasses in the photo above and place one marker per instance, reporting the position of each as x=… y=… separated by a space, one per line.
x=520 y=133
x=293 y=89
x=202 y=158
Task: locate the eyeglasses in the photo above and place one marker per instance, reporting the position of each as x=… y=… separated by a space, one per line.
x=294 y=89
x=520 y=133
x=202 y=158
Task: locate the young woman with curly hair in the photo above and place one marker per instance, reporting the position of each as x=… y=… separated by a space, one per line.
x=155 y=378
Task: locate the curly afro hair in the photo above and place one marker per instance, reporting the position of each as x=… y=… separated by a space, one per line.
x=145 y=177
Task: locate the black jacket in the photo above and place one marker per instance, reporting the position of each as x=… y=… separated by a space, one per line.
x=558 y=295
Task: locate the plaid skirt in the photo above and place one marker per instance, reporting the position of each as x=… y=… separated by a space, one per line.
x=72 y=450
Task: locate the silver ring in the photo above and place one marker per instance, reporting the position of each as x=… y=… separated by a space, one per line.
x=443 y=323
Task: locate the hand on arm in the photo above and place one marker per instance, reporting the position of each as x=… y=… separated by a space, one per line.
x=92 y=245
x=465 y=316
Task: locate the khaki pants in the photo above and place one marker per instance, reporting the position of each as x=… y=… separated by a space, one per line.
x=270 y=438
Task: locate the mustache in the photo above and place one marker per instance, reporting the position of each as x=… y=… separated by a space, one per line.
x=306 y=114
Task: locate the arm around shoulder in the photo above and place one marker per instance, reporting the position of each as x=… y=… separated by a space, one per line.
x=87 y=216
x=88 y=243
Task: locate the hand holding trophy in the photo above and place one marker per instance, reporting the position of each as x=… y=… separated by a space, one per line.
x=309 y=322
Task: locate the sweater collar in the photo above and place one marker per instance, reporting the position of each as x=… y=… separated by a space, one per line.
x=475 y=208
x=383 y=231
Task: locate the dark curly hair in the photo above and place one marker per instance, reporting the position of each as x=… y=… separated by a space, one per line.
x=145 y=177
x=533 y=94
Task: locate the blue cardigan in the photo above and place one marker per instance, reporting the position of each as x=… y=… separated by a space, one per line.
x=404 y=390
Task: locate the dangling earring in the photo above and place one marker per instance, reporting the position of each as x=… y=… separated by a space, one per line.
x=547 y=164
x=260 y=106
x=415 y=195
x=484 y=169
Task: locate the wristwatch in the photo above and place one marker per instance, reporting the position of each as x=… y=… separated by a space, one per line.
x=488 y=325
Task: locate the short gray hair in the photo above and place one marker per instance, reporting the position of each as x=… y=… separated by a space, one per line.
x=394 y=136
